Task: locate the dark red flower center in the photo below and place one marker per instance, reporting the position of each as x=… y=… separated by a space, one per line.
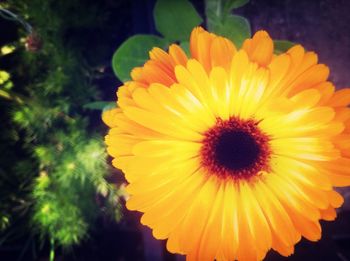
x=235 y=148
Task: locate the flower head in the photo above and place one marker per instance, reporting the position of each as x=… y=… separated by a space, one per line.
x=229 y=153
x=33 y=42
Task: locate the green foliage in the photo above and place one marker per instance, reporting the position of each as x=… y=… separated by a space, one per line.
x=281 y=46
x=186 y=47
x=234 y=27
x=58 y=217
x=229 y=5
x=222 y=22
x=63 y=169
x=134 y=52
x=4 y=221
x=100 y=105
x=220 y=9
x=175 y=19
x=5 y=81
x=16 y=183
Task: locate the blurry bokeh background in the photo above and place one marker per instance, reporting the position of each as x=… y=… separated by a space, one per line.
x=58 y=194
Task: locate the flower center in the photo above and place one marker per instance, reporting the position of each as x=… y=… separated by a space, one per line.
x=235 y=148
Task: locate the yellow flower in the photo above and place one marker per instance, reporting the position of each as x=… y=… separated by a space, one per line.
x=232 y=152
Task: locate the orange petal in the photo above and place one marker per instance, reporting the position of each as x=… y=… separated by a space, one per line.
x=178 y=54
x=157 y=54
x=221 y=52
x=328 y=214
x=259 y=48
x=154 y=72
x=338 y=171
x=308 y=78
x=326 y=90
x=335 y=199
x=200 y=43
x=340 y=98
x=161 y=66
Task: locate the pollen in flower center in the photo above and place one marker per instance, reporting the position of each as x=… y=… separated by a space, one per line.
x=236 y=149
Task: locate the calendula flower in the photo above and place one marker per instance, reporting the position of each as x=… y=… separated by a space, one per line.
x=230 y=153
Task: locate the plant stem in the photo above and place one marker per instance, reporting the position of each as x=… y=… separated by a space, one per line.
x=52 y=249
x=11 y=16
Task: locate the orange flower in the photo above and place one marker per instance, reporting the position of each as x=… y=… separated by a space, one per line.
x=230 y=153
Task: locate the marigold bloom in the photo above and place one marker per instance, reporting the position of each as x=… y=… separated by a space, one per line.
x=230 y=153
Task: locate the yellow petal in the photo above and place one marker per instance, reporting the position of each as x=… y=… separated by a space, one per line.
x=152 y=121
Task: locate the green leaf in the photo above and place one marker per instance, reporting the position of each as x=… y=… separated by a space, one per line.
x=229 y=5
x=217 y=10
x=175 y=19
x=186 y=47
x=110 y=105
x=134 y=52
x=100 y=105
x=7 y=94
x=214 y=13
x=220 y=21
x=282 y=46
x=8 y=85
x=234 y=27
